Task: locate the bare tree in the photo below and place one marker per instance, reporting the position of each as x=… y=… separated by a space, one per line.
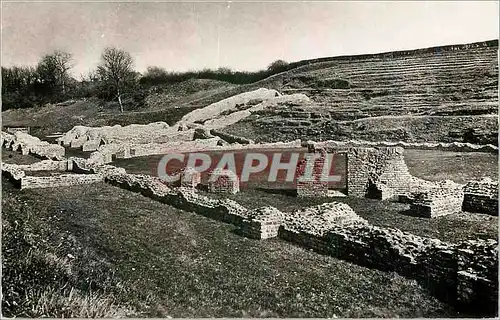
x=277 y=65
x=54 y=68
x=116 y=69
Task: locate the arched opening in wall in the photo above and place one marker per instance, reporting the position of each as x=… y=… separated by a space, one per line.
x=101 y=142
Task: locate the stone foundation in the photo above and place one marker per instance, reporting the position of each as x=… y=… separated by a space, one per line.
x=262 y=223
x=223 y=181
x=481 y=197
x=27 y=144
x=64 y=180
x=443 y=199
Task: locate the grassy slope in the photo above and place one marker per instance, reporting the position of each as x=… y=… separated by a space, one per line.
x=163 y=103
x=166 y=262
x=435 y=81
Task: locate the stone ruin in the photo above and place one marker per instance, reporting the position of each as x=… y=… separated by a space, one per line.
x=311 y=186
x=223 y=181
x=467 y=271
x=13 y=130
x=481 y=196
x=90 y=138
x=188 y=178
x=28 y=144
x=57 y=178
x=262 y=223
x=445 y=197
x=319 y=219
x=381 y=173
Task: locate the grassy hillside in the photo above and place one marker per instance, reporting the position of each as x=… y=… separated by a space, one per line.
x=163 y=103
x=458 y=80
x=437 y=94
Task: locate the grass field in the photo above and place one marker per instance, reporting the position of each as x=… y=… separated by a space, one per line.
x=460 y=167
x=150 y=259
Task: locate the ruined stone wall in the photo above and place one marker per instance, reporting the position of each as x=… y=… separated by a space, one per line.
x=231 y=138
x=262 y=223
x=13 y=173
x=183 y=198
x=27 y=144
x=312 y=186
x=477 y=276
x=78 y=136
x=64 y=180
x=377 y=172
x=481 y=196
x=382 y=173
x=444 y=146
x=445 y=197
x=45 y=165
x=459 y=273
x=223 y=181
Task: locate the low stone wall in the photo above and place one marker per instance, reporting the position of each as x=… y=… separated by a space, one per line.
x=183 y=198
x=446 y=197
x=441 y=267
x=481 y=197
x=45 y=165
x=262 y=223
x=13 y=173
x=86 y=173
x=477 y=276
x=64 y=180
x=231 y=138
x=444 y=146
x=27 y=144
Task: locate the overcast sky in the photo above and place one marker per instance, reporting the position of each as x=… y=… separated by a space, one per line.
x=242 y=36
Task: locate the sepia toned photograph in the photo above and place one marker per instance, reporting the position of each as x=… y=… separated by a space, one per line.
x=237 y=159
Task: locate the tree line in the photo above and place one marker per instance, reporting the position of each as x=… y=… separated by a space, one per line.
x=114 y=79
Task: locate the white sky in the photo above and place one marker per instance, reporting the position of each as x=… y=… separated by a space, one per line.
x=242 y=36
